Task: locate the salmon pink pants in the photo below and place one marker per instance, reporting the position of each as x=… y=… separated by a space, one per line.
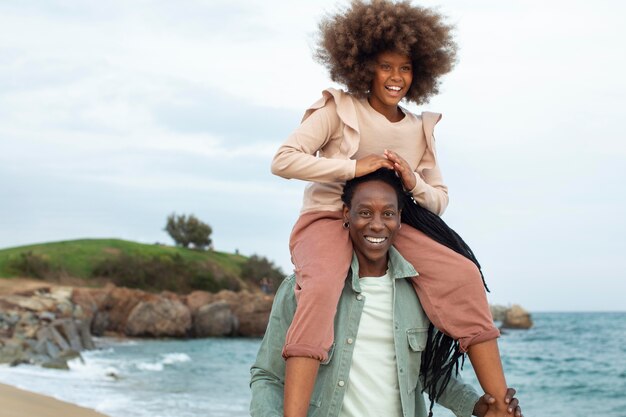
x=449 y=285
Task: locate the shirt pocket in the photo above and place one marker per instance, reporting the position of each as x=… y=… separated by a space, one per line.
x=320 y=382
x=416 y=339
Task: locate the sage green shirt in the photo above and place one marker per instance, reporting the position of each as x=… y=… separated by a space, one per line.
x=410 y=333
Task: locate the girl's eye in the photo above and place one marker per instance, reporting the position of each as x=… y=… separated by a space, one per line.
x=406 y=68
x=385 y=67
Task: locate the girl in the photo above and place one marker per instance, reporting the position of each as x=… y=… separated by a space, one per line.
x=382 y=52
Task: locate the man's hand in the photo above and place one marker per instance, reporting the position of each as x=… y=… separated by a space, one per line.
x=482 y=406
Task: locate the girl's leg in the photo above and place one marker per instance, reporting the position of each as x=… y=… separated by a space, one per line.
x=321 y=252
x=451 y=292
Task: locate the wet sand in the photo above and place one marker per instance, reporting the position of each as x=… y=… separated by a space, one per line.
x=15 y=402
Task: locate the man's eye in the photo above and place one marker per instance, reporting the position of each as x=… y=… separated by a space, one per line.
x=364 y=213
x=390 y=213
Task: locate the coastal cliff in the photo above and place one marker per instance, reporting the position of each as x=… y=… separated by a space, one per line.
x=48 y=324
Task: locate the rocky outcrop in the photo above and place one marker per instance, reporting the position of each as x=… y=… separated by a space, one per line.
x=517 y=318
x=43 y=327
x=50 y=325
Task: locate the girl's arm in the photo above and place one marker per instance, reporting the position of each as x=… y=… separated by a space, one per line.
x=297 y=157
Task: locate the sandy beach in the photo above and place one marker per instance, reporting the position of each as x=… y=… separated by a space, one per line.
x=18 y=403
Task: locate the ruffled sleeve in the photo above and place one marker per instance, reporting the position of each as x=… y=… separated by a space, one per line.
x=321 y=147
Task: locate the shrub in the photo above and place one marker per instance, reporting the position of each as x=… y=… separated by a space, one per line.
x=164 y=272
x=261 y=270
x=32 y=264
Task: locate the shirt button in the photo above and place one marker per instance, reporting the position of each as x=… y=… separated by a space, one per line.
x=401 y=370
x=349 y=341
x=359 y=297
x=341 y=383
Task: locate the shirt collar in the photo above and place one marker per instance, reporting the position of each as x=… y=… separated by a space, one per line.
x=397 y=267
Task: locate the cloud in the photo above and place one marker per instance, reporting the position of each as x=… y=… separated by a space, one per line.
x=113 y=115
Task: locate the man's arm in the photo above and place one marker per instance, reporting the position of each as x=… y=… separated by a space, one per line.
x=459 y=397
x=268 y=371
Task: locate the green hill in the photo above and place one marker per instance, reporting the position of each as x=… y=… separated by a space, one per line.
x=132 y=264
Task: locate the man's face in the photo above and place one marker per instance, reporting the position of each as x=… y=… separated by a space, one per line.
x=374 y=221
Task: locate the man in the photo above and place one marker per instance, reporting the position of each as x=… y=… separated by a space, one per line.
x=373 y=368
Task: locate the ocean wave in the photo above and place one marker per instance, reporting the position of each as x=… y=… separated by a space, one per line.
x=147 y=366
x=172 y=358
x=167 y=359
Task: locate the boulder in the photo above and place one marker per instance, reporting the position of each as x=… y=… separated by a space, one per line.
x=197 y=299
x=253 y=311
x=498 y=312
x=116 y=308
x=11 y=350
x=215 y=319
x=158 y=317
x=32 y=303
x=517 y=318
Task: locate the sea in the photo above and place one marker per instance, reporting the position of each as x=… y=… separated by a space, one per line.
x=568 y=364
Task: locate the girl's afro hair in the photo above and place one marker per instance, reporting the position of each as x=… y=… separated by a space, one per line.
x=350 y=41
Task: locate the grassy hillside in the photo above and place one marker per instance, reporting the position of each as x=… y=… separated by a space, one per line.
x=80 y=258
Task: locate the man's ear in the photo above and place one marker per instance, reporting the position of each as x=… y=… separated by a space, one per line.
x=346 y=213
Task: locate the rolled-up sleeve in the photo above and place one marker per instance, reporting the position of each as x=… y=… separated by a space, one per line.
x=459 y=397
x=268 y=372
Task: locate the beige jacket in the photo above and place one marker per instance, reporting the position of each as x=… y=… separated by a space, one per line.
x=320 y=150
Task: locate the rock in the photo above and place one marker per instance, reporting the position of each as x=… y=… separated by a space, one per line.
x=11 y=350
x=61 y=294
x=85 y=335
x=34 y=303
x=65 y=308
x=517 y=318
x=46 y=316
x=58 y=339
x=159 y=317
x=117 y=306
x=215 y=319
x=100 y=323
x=67 y=328
x=498 y=312
x=197 y=299
x=56 y=363
x=251 y=309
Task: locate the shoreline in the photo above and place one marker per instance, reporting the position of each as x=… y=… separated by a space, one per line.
x=18 y=402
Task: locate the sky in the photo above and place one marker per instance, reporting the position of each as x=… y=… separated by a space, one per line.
x=115 y=114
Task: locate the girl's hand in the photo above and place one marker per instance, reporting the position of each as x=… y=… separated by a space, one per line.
x=371 y=163
x=403 y=169
x=483 y=406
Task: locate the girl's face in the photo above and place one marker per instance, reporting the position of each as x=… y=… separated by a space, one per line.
x=393 y=74
x=374 y=220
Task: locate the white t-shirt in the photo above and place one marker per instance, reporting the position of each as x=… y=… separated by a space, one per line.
x=373 y=388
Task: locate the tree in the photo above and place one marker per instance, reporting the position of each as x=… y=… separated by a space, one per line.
x=186 y=230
